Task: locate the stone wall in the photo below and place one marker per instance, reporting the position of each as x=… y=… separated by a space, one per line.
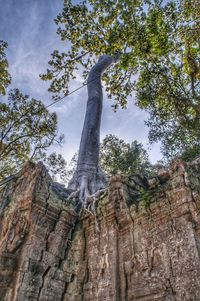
x=142 y=243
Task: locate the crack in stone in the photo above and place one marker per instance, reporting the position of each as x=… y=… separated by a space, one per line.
x=43 y=279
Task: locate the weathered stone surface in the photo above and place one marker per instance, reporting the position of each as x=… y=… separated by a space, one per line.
x=142 y=244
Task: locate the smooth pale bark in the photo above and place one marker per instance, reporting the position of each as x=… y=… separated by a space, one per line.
x=88 y=178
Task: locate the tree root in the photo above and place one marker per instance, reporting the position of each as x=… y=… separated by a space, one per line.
x=90 y=203
x=88 y=184
x=93 y=204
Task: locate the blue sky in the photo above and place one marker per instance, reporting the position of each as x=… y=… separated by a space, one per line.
x=29 y=29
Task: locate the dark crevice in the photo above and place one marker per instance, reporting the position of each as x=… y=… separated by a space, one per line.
x=126 y=286
x=43 y=278
x=64 y=292
x=52 y=230
x=68 y=242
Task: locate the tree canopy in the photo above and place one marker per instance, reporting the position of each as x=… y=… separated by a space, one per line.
x=159 y=47
x=27 y=129
x=117 y=156
x=5 y=78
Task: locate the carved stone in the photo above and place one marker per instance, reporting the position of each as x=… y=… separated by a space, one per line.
x=127 y=252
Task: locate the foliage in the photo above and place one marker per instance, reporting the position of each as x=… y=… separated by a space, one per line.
x=159 y=47
x=169 y=85
x=27 y=129
x=4 y=75
x=145 y=197
x=116 y=156
x=71 y=167
x=56 y=165
x=191 y=153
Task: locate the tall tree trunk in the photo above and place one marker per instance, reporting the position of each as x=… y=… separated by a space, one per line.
x=88 y=177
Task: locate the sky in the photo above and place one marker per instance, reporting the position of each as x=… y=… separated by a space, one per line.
x=29 y=29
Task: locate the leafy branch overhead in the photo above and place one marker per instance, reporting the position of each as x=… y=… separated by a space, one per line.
x=117 y=156
x=159 y=47
x=5 y=77
x=27 y=130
